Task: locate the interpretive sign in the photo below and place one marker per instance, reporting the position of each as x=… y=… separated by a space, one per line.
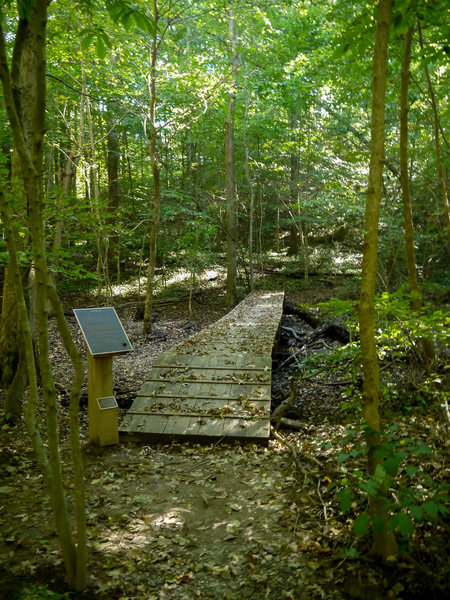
x=107 y=403
x=104 y=336
x=102 y=331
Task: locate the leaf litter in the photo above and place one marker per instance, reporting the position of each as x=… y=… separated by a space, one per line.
x=186 y=521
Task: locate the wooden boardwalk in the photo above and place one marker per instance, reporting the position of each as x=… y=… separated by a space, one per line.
x=214 y=385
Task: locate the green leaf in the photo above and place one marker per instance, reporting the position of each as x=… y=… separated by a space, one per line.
x=431 y=508
x=403 y=523
x=352 y=553
x=345 y=497
x=87 y=41
x=370 y=487
x=361 y=525
x=380 y=473
x=100 y=48
x=392 y=463
x=342 y=456
x=421 y=449
x=416 y=512
x=377 y=524
x=411 y=470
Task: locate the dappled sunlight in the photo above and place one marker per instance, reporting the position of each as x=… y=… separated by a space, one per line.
x=172 y=519
x=183 y=276
x=164 y=281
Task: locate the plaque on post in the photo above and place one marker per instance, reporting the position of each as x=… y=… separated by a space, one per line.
x=105 y=337
x=102 y=330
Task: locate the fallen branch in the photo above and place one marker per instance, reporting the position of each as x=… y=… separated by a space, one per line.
x=325 y=515
x=291 y=424
x=157 y=301
x=282 y=408
x=307 y=315
x=297 y=336
x=292 y=449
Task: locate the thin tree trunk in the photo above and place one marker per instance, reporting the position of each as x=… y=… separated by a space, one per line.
x=251 y=192
x=66 y=183
x=416 y=298
x=437 y=144
x=129 y=173
x=404 y=175
x=102 y=263
x=113 y=201
x=231 y=218
x=30 y=152
x=154 y=161
x=384 y=543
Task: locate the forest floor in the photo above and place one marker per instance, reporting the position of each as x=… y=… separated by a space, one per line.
x=185 y=521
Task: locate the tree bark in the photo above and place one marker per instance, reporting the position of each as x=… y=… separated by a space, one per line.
x=29 y=147
x=113 y=202
x=437 y=145
x=24 y=85
x=404 y=174
x=231 y=218
x=416 y=297
x=251 y=191
x=384 y=543
x=154 y=162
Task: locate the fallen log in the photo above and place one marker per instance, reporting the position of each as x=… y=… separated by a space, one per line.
x=289 y=308
x=156 y=301
x=332 y=329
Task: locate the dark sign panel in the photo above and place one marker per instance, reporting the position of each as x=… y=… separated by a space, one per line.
x=102 y=331
x=108 y=402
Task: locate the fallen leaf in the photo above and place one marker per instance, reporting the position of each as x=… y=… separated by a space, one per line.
x=185 y=577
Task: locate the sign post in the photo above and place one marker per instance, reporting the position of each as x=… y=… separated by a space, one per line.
x=105 y=337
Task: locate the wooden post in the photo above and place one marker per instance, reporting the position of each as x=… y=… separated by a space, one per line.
x=103 y=423
x=104 y=337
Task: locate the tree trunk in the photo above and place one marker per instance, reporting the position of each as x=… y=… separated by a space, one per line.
x=94 y=195
x=294 y=232
x=154 y=161
x=231 y=218
x=13 y=376
x=404 y=175
x=30 y=153
x=438 y=148
x=67 y=177
x=416 y=298
x=251 y=191
x=12 y=360
x=113 y=201
x=129 y=173
x=384 y=543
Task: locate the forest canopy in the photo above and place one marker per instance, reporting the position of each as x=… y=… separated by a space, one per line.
x=300 y=79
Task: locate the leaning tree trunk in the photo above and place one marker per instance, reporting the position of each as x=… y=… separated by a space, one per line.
x=384 y=543
x=30 y=153
x=13 y=374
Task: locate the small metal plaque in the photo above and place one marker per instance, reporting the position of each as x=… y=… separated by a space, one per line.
x=102 y=331
x=108 y=402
